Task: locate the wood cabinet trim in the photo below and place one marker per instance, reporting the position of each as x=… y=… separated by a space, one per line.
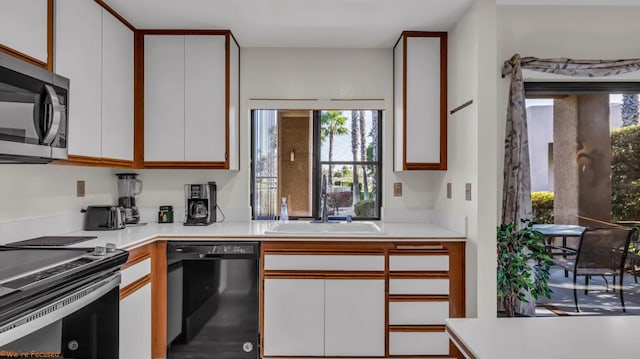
x=159 y=299
x=419 y=166
x=419 y=275
x=324 y=275
x=397 y=298
x=48 y=65
x=138 y=99
x=115 y=14
x=416 y=328
x=88 y=161
x=138 y=255
x=459 y=345
x=185 y=164
x=418 y=253
x=133 y=287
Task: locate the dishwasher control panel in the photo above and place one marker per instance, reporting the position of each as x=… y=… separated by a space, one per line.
x=182 y=249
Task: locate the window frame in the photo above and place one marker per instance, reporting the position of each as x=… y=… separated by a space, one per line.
x=317 y=163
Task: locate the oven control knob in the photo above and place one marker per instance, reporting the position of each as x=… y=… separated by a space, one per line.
x=247 y=347
x=111 y=247
x=99 y=251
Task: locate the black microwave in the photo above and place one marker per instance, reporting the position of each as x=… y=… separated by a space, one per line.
x=34 y=104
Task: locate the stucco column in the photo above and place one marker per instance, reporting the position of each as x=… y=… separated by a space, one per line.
x=565 y=169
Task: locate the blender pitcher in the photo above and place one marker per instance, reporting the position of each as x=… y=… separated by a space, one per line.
x=129 y=187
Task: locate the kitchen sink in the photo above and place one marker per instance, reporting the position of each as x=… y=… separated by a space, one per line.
x=330 y=228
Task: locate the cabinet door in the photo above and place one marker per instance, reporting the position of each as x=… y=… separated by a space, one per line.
x=420 y=99
x=117 y=89
x=164 y=136
x=135 y=324
x=354 y=317
x=294 y=317
x=78 y=56
x=23 y=27
x=205 y=119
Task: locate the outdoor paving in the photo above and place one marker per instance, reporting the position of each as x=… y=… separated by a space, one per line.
x=599 y=301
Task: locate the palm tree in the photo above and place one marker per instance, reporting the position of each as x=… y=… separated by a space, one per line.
x=332 y=123
x=374 y=148
x=355 y=143
x=363 y=155
x=629 y=110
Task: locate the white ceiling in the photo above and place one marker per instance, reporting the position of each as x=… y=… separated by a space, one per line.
x=298 y=23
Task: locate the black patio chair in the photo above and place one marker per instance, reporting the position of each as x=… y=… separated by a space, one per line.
x=601 y=252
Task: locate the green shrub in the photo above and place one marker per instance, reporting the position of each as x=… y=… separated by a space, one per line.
x=625 y=173
x=366 y=208
x=542 y=205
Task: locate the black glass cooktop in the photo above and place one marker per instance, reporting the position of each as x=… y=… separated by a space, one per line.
x=53 y=241
x=16 y=261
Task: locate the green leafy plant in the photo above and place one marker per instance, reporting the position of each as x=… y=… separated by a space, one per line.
x=625 y=173
x=542 y=205
x=365 y=208
x=523 y=264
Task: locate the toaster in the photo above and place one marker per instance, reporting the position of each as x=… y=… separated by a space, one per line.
x=103 y=218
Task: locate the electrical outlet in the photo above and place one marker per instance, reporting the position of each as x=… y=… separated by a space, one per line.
x=449 y=190
x=80 y=188
x=467 y=191
x=397 y=189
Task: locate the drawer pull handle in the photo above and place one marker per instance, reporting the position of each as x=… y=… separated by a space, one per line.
x=427 y=246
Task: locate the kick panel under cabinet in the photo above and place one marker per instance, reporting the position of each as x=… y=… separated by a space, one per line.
x=360 y=299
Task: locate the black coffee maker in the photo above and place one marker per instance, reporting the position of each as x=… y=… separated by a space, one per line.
x=200 y=206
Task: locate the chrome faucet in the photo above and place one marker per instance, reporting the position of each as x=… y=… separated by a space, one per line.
x=323 y=198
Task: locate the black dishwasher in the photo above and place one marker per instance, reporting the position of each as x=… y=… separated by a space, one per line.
x=212 y=300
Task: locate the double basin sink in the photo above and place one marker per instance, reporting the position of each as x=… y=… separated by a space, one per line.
x=326 y=228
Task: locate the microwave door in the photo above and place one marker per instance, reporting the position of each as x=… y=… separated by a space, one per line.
x=52 y=116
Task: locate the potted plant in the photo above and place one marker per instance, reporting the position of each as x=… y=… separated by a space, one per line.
x=523 y=265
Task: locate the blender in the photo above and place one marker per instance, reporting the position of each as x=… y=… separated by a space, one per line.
x=129 y=187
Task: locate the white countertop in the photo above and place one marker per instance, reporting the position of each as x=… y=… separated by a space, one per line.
x=548 y=337
x=131 y=237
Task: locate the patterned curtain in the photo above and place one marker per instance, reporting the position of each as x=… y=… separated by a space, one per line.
x=516 y=191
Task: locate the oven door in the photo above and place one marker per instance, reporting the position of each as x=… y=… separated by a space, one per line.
x=82 y=323
x=33 y=113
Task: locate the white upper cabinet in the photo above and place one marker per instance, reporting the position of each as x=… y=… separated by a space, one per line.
x=191 y=94
x=420 y=98
x=23 y=28
x=117 y=89
x=164 y=98
x=95 y=51
x=78 y=56
x=205 y=97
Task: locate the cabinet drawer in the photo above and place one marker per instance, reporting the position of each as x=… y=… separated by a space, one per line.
x=419 y=286
x=135 y=272
x=324 y=262
x=419 y=263
x=418 y=313
x=418 y=343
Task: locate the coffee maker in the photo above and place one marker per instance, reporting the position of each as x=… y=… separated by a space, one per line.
x=200 y=206
x=127 y=192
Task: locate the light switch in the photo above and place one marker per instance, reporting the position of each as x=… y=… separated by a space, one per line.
x=467 y=191
x=397 y=189
x=449 y=190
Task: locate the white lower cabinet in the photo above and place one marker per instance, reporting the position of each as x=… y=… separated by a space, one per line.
x=135 y=324
x=294 y=317
x=354 y=317
x=317 y=317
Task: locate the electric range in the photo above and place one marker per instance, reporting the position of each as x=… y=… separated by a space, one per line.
x=61 y=287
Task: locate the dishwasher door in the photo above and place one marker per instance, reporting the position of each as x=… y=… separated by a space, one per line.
x=219 y=303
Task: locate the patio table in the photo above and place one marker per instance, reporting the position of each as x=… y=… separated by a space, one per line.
x=550 y=231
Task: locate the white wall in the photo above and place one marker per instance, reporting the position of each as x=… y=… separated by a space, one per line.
x=325 y=74
x=266 y=73
x=472 y=150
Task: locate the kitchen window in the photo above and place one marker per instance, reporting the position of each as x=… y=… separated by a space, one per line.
x=293 y=149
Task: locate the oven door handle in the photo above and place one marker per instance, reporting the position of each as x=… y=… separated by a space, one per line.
x=56 y=309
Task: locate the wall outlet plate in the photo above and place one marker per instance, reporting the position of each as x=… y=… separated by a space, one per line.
x=397 y=189
x=467 y=191
x=449 y=190
x=80 y=188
